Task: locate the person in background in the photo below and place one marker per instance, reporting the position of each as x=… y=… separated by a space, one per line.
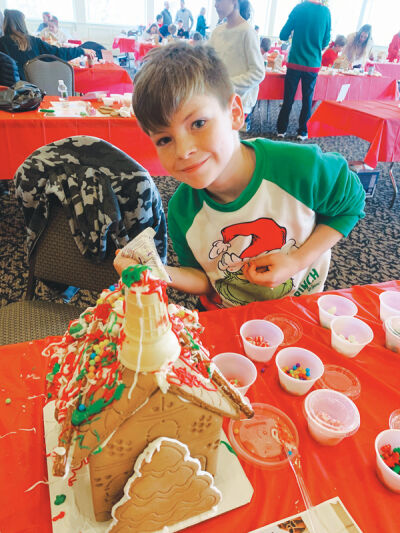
x=359 y=46
x=166 y=14
x=201 y=24
x=159 y=20
x=251 y=220
x=52 y=34
x=265 y=45
x=238 y=45
x=1 y=22
x=310 y=26
x=197 y=38
x=186 y=16
x=22 y=47
x=331 y=53
x=46 y=17
x=394 y=48
x=171 y=33
x=257 y=29
x=163 y=29
x=181 y=33
x=151 y=34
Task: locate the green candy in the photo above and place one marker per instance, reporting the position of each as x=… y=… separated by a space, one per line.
x=132 y=274
x=60 y=498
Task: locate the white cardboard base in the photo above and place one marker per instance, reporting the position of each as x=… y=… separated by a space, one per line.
x=230 y=479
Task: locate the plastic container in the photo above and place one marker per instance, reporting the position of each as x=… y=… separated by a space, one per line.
x=331 y=305
x=394 y=419
x=127 y=99
x=236 y=367
x=357 y=334
x=264 y=440
x=62 y=90
x=271 y=333
x=392 y=329
x=331 y=416
x=292 y=329
x=386 y=474
x=389 y=304
x=340 y=379
x=290 y=357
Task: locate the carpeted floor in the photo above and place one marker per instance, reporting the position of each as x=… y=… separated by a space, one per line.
x=369 y=255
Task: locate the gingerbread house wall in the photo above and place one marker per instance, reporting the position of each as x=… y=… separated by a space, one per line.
x=164 y=415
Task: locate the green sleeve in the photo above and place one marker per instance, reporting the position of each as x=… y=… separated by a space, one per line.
x=288 y=27
x=178 y=224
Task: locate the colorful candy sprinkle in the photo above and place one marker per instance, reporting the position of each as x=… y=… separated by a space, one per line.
x=258 y=340
x=235 y=382
x=391 y=457
x=8 y=401
x=297 y=372
x=327 y=419
x=351 y=338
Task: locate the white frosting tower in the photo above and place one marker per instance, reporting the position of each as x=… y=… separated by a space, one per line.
x=149 y=341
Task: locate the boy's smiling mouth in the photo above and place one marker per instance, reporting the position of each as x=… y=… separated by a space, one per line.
x=195 y=166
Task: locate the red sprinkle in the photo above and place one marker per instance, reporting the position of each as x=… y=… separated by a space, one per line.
x=258 y=340
x=59 y=516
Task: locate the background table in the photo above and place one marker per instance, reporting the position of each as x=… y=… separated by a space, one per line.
x=107 y=77
x=328 y=86
x=125 y=44
x=391 y=70
x=22 y=133
x=144 y=48
x=346 y=470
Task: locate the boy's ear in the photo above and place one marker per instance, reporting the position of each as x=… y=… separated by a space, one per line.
x=236 y=107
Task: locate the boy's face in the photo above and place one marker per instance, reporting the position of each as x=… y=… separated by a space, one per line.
x=197 y=146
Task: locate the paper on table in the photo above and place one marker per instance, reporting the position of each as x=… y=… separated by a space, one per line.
x=344 y=89
x=332 y=517
x=71 y=108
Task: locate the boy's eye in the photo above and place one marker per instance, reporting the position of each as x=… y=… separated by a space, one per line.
x=197 y=124
x=163 y=141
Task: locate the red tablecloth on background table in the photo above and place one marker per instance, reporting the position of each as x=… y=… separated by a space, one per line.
x=125 y=44
x=143 y=48
x=328 y=87
x=376 y=122
x=391 y=70
x=346 y=470
x=107 y=77
x=22 y=133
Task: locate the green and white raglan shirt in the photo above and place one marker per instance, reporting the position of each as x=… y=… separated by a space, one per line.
x=294 y=187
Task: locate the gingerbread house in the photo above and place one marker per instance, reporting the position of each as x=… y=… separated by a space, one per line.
x=128 y=373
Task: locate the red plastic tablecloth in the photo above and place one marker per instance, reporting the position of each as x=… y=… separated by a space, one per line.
x=328 y=87
x=376 y=122
x=125 y=44
x=144 y=48
x=391 y=70
x=103 y=77
x=346 y=470
x=22 y=133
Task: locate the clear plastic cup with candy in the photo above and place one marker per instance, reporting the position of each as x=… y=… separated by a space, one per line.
x=389 y=304
x=331 y=305
x=331 y=416
x=387 y=452
x=260 y=339
x=392 y=330
x=349 y=335
x=298 y=369
x=237 y=369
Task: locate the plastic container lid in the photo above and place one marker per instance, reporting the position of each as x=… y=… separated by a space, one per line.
x=291 y=329
x=394 y=420
x=341 y=380
x=259 y=440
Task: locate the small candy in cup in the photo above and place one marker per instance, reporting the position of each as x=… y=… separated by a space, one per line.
x=392 y=329
x=298 y=369
x=331 y=305
x=387 y=450
x=349 y=335
x=331 y=416
x=237 y=369
x=260 y=339
x=389 y=304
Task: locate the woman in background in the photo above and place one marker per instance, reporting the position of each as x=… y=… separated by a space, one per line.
x=151 y=34
x=394 y=48
x=238 y=45
x=18 y=44
x=359 y=46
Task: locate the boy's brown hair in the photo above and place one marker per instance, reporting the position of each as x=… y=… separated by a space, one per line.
x=171 y=75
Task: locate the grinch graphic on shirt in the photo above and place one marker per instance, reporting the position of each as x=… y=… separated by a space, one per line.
x=266 y=237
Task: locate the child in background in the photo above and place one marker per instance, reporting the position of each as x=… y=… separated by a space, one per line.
x=172 y=33
x=251 y=220
x=394 y=48
x=181 y=33
x=331 y=53
x=265 y=45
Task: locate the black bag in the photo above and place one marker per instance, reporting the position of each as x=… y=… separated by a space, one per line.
x=22 y=96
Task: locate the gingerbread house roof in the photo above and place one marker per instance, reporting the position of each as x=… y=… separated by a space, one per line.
x=95 y=393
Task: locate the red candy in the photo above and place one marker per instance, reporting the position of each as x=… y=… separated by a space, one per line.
x=258 y=340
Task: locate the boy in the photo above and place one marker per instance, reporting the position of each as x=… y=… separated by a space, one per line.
x=331 y=54
x=251 y=220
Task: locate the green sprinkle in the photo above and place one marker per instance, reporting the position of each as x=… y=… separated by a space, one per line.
x=50 y=375
x=76 y=328
x=60 y=498
x=79 y=417
x=49 y=395
x=396 y=468
x=229 y=447
x=8 y=401
x=132 y=274
x=81 y=446
x=96 y=435
x=99 y=449
x=396 y=450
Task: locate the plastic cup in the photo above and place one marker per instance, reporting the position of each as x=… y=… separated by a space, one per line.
x=127 y=99
x=394 y=419
x=350 y=328
x=290 y=357
x=389 y=302
x=235 y=366
x=331 y=416
x=116 y=97
x=271 y=333
x=386 y=474
x=392 y=329
x=108 y=100
x=331 y=305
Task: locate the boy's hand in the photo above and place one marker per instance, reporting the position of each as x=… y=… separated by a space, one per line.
x=121 y=262
x=271 y=270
